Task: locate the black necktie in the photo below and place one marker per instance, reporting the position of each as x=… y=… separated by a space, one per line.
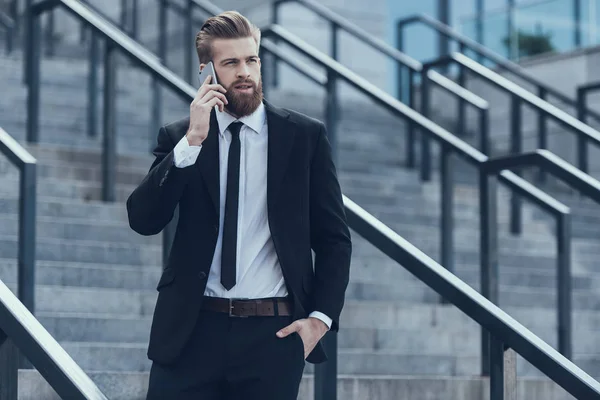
x=229 y=249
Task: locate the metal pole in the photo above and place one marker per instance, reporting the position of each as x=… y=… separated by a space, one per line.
x=27 y=235
x=516 y=140
x=462 y=105
x=411 y=157
x=9 y=368
x=331 y=112
x=326 y=373
x=582 y=155
x=27 y=40
x=565 y=320
x=123 y=19
x=496 y=369
x=333 y=44
x=425 y=142
x=109 y=156
x=503 y=378
x=484 y=128
x=162 y=29
x=443 y=9
x=400 y=67
x=188 y=41
x=489 y=254
x=479 y=26
x=274 y=64
x=447 y=217
x=542 y=132
x=33 y=92
x=577 y=23
x=325 y=385
x=92 y=110
x=134 y=20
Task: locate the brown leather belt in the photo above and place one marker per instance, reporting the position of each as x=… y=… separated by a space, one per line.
x=280 y=306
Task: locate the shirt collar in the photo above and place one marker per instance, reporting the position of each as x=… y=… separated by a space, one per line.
x=254 y=121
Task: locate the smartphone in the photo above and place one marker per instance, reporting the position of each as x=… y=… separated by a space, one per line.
x=209 y=69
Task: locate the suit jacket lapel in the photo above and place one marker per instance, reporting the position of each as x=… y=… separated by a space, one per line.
x=208 y=161
x=280 y=143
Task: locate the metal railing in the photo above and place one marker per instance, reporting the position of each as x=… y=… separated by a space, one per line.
x=544 y=91
x=339 y=24
x=508 y=334
x=519 y=96
x=582 y=103
x=20 y=331
x=26 y=164
x=492 y=364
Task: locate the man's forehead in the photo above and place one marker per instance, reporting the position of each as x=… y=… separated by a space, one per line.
x=234 y=48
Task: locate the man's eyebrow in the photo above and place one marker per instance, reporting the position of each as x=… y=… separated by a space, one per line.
x=236 y=59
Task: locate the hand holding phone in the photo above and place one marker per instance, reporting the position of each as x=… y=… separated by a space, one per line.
x=208 y=96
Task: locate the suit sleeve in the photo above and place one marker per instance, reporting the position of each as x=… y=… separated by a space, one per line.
x=151 y=206
x=330 y=236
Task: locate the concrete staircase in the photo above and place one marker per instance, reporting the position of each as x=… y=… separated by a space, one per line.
x=96 y=278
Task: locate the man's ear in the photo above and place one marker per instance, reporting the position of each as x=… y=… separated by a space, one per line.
x=202 y=66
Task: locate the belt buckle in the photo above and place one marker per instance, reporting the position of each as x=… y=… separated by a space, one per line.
x=231 y=314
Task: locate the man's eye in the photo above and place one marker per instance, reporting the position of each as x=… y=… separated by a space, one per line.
x=253 y=60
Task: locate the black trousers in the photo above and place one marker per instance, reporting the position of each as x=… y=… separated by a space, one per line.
x=230 y=358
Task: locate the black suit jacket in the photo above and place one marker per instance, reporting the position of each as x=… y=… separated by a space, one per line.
x=305 y=211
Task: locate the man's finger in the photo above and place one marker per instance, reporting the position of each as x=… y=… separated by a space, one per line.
x=293 y=327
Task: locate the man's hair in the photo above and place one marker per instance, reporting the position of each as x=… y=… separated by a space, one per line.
x=227 y=25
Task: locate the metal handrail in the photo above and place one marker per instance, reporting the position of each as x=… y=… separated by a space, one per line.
x=26 y=164
x=484 y=312
x=465 y=42
x=568 y=375
x=337 y=22
x=584 y=133
x=19 y=329
x=582 y=108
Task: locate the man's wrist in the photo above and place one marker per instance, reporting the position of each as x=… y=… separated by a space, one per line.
x=322 y=318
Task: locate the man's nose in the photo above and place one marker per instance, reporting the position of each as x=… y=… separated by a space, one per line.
x=243 y=71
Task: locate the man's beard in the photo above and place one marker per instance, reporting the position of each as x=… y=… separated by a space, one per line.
x=243 y=104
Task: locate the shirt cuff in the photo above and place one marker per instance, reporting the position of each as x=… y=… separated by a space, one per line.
x=185 y=155
x=319 y=315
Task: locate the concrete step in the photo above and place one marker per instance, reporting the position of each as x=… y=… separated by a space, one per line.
x=128 y=357
x=134 y=385
x=428 y=336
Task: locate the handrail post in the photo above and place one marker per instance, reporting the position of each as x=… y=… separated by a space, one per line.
x=484 y=131
x=542 y=131
x=9 y=368
x=425 y=142
x=188 y=41
x=333 y=44
x=488 y=250
x=109 y=156
x=447 y=215
x=28 y=16
x=92 y=117
x=516 y=144
x=123 y=16
x=33 y=79
x=325 y=384
x=134 y=20
x=565 y=320
x=462 y=104
x=274 y=81
x=503 y=376
x=162 y=31
x=331 y=112
x=400 y=66
x=582 y=155
x=411 y=157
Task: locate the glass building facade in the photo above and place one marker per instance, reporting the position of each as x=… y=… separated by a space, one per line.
x=512 y=28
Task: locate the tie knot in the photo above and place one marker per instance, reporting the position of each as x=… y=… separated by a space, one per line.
x=235 y=128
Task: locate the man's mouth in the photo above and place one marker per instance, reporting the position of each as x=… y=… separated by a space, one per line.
x=244 y=86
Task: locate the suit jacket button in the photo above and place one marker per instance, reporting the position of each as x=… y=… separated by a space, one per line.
x=202 y=275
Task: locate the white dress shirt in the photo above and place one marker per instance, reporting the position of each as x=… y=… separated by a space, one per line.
x=258 y=270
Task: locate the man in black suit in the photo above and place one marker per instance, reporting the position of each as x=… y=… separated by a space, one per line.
x=240 y=306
